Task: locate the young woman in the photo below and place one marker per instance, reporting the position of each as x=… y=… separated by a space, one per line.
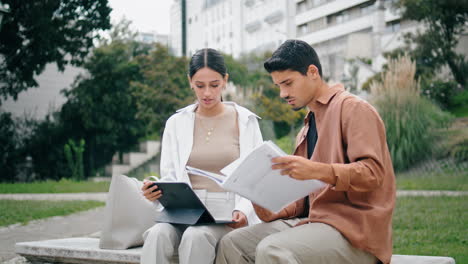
x=207 y=135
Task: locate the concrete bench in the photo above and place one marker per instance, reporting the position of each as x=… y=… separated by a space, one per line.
x=86 y=250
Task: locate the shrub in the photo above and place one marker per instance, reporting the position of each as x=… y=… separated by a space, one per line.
x=286 y=143
x=8 y=147
x=439 y=91
x=412 y=122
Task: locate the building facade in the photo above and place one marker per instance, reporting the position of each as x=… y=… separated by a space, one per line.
x=175 y=36
x=232 y=26
x=343 y=31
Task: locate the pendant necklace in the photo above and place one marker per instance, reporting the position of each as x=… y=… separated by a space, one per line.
x=209 y=130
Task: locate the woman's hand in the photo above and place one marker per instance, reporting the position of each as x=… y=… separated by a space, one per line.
x=239 y=218
x=152 y=193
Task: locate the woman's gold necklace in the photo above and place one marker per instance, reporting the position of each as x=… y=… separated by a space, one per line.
x=209 y=130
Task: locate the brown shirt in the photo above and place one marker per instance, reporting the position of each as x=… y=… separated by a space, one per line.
x=351 y=139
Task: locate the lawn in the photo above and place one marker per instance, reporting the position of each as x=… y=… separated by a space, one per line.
x=443 y=174
x=24 y=211
x=433 y=226
x=62 y=186
x=439 y=180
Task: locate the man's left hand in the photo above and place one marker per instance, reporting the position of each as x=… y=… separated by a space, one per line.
x=239 y=218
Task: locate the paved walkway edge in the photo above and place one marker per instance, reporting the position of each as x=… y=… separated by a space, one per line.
x=55 y=196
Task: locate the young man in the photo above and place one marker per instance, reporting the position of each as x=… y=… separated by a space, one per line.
x=343 y=144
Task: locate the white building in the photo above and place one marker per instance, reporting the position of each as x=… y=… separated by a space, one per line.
x=267 y=24
x=215 y=24
x=234 y=27
x=175 y=36
x=343 y=30
x=37 y=102
x=153 y=37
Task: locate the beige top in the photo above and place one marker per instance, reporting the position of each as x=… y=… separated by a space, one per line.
x=215 y=145
x=351 y=139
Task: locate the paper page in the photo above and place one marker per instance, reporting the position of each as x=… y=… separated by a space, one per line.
x=220 y=205
x=213 y=176
x=255 y=180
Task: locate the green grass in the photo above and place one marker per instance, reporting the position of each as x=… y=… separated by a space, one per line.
x=461 y=111
x=432 y=226
x=445 y=174
x=24 y=211
x=445 y=180
x=62 y=186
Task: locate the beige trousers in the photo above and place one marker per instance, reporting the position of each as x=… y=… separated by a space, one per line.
x=279 y=242
x=194 y=244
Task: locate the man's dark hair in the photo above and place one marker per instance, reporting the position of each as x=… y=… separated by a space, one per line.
x=295 y=55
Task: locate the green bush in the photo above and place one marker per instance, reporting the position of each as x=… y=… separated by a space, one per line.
x=286 y=143
x=439 y=91
x=74 y=154
x=8 y=148
x=460 y=151
x=413 y=123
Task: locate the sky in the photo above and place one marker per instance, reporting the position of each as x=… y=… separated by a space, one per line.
x=146 y=15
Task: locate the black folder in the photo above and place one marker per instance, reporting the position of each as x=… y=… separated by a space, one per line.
x=182 y=206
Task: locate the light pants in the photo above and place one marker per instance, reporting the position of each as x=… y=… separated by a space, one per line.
x=279 y=242
x=195 y=244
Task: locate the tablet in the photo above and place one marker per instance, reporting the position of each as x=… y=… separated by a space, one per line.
x=182 y=206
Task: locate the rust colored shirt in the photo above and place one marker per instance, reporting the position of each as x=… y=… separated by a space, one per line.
x=351 y=139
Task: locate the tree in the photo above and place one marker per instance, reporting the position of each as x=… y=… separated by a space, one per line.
x=38 y=32
x=446 y=22
x=101 y=108
x=162 y=90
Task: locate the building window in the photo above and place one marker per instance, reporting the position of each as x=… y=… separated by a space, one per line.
x=367 y=9
x=301 y=7
x=393 y=26
x=302 y=29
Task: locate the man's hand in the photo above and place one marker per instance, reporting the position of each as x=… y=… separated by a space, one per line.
x=300 y=168
x=239 y=218
x=150 y=193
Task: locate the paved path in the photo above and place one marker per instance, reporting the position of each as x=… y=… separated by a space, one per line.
x=401 y=193
x=55 y=196
x=80 y=224
x=102 y=196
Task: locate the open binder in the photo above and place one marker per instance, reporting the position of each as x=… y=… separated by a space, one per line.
x=182 y=206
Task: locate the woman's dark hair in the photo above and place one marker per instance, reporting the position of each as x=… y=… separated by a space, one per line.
x=207 y=58
x=295 y=55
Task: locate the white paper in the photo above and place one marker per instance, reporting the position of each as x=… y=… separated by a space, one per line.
x=252 y=177
x=213 y=176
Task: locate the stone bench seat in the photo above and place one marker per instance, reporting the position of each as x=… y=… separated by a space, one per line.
x=86 y=250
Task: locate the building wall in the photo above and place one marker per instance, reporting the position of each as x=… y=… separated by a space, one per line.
x=175 y=36
x=342 y=30
x=266 y=24
x=38 y=102
x=237 y=27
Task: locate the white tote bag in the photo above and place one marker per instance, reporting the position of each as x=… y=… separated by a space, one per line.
x=128 y=214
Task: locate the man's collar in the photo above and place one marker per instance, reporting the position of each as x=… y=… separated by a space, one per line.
x=329 y=93
x=325 y=98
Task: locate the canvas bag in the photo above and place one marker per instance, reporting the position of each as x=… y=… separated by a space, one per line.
x=128 y=214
